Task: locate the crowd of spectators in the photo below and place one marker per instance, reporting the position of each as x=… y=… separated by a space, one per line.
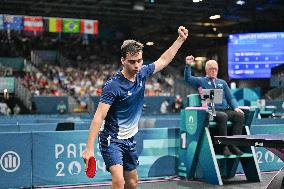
x=38 y=84
x=90 y=62
x=90 y=65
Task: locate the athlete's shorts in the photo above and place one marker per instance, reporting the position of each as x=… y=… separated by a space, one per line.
x=119 y=151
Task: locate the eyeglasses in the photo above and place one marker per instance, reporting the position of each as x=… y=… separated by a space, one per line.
x=213 y=69
x=134 y=61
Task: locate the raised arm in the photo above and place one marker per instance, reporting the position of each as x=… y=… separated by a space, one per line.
x=188 y=77
x=170 y=53
x=96 y=123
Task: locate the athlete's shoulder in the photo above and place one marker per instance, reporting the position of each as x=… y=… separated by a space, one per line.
x=148 y=66
x=113 y=82
x=147 y=70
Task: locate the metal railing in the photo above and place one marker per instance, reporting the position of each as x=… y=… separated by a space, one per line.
x=23 y=94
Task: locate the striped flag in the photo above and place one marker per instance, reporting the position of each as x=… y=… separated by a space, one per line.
x=13 y=22
x=33 y=23
x=71 y=25
x=55 y=25
x=89 y=27
x=1 y=22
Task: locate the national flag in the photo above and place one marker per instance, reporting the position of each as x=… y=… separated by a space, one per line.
x=89 y=27
x=71 y=25
x=13 y=22
x=33 y=23
x=1 y=22
x=55 y=25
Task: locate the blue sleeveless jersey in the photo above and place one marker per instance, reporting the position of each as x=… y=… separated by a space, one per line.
x=126 y=99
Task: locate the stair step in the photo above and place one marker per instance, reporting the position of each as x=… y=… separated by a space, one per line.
x=213 y=123
x=245 y=155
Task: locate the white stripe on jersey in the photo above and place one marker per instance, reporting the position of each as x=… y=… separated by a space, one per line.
x=125 y=133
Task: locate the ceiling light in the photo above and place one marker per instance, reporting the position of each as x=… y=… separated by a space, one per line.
x=207 y=24
x=139 y=6
x=240 y=2
x=24 y=39
x=216 y=16
x=200 y=58
x=150 y=43
x=214 y=29
x=220 y=35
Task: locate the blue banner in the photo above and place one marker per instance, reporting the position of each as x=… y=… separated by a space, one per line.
x=57 y=159
x=15 y=160
x=266 y=159
x=57 y=156
x=54 y=158
x=13 y=22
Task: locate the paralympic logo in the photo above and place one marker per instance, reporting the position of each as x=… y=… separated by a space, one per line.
x=10 y=161
x=191 y=128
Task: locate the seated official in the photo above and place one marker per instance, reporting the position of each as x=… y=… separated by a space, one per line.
x=61 y=107
x=228 y=110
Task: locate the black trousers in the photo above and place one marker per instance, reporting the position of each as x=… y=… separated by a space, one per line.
x=237 y=119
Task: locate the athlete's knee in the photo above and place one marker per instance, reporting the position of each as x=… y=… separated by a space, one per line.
x=118 y=182
x=131 y=183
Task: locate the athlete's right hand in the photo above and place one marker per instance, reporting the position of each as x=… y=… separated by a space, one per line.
x=87 y=154
x=189 y=60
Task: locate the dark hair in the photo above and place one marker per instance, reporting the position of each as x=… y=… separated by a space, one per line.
x=130 y=47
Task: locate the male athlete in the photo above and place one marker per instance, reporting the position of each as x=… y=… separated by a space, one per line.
x=120 y=108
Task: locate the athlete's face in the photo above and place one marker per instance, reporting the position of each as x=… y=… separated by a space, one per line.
x=133 y=62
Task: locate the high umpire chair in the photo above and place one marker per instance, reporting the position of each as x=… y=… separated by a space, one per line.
x=199 y=157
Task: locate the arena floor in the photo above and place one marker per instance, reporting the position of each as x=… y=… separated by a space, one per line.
x=238 y=182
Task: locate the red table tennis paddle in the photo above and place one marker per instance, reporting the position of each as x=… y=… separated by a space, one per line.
x=92 y=167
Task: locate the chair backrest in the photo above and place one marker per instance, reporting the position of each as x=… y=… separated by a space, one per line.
x=193 y=100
